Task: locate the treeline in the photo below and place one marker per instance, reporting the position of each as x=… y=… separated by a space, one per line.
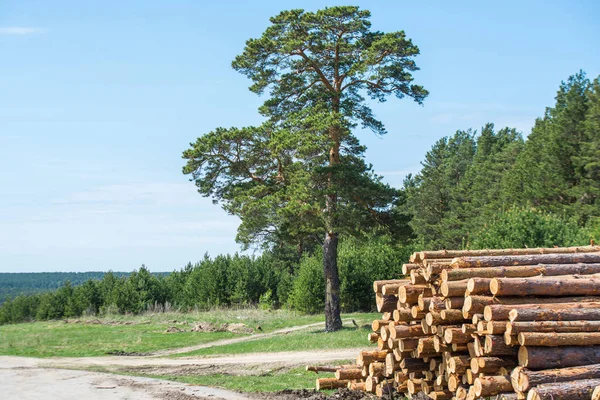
x=14 y=284
x=486 y=189
x=472 y=180
x=223 y=281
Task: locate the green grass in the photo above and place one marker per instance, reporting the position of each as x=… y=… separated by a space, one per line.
x=296 y=378
x=146 y=333
x=309 y=339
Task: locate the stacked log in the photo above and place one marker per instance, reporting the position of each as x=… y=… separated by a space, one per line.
x=508 y=324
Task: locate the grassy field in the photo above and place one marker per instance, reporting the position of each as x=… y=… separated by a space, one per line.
x=147 y=333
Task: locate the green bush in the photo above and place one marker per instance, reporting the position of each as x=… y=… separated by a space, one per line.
x=308 y=291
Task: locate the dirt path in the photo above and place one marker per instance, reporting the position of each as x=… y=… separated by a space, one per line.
x=237 y=340
x=23 y=379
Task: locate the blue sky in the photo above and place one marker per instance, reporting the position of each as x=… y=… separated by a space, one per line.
x=99 y=99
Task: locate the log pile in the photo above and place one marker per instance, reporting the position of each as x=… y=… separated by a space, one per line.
x=507 y=324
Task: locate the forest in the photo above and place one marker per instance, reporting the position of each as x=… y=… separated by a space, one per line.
x=484 y=188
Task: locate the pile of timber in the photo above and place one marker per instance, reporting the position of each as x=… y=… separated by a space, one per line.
x=506 y=324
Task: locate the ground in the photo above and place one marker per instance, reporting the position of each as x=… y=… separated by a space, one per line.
x=265 y=364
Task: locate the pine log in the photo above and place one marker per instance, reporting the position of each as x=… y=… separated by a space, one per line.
x=430 y=255
x=367 y=357
x=574 y=390
x=416 y=277
x=495 y=327
x=545 y=314
x=512 y=260
x=456 y=335
x=406 y=331
x=436 y=267
x=476 y=304
x=552 y=339
x=373 y=337
x=409 y=294
x=454 y=303
x=453 y=289
x=525 y=379
x=377 y=324
x=416 y=313
x=370 y=384
x=596 y=393
x=514 y=328
x=377 y=368
x=510 y=340
x=425 y=345
x=406 y=268
x=441 y=395
x=492 y=385
x=468 y=328
x=437 y=304
x=451 y=316
x=408 y=344
x=494 y=345
x=458 y=364
x=321 y=368
x=330 y=383
x=534 y=357
x=378 y=285
x=348 y=374
x=402 y=315
x=509 y=396
x=478 y=286
x=385 y=303
x=461 y=393
x=522 y=271
x=551 y=286
x=501 y=312
x=392 y=288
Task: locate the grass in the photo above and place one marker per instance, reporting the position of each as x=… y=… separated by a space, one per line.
x=146 y=333
x=309 y=339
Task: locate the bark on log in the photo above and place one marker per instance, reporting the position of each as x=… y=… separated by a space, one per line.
x=406 y=268
x=451 y=316
x=386 y=303
x=321 y=368
x=491 y=385
x=523 y=271
x=514 y=328
x=409 y=294
x=456 y=335
x=512 y=260
x=429 y=255
x=495 y=345
x=552 y=286
x=402 y=315
x=348 y=374
x=416 y=277
x=476 y=304
x=534 y=357
x=545 y=314
x=406 y=331
x=454 y=303
x=501 y=312
x=574 y=390
x=453 y=289
x=378 y=285
x=367 y=357
x=552 y=339
x=478 y=286
x=525 y=379
x=330 y=383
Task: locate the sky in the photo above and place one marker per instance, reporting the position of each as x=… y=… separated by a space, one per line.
x=98 y=99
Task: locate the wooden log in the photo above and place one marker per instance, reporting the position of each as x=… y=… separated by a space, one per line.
x=458 y=364
x=495 y=345
x=373 y=337
x=523 y=271
x=348 y=374
x=425 y=345
x=413 y=365
x=416 y=277
x=451 y=316
x=478 y=286
x=532 y=259
x=377 y=368
x=440 y=395
x=408 y=344
x=461 y=393
x=370 y=384
x=402 y=315
x=553 y=339
x=495 y=327
x=409 y=294
x=456 y=335
x=552 y=286
x=491 y=385
x=501 y=312
x=382 y=344
x=524 y=379
x=514 y=328
x=546 y=314
x=510 y=340
x=596 y=393
x=476 y=318
x=392 y=288
x=509 y=396
x=537 y=357
x=406 y=268
x=368 y=357
x=574 y=390
x=378 y=285
x=386 y=316
x=431 y=255
x=384 y=333
x=437 y=304
x=406 y=331
x=413 y=386
x=416 y=313
x=468 y=328
x=321 y=368
x=454 y=303
x=385 y=303
x=330 y=383
x=453 y=289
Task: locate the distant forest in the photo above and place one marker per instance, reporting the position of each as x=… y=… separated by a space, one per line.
x=15 y=283
x=489 y=188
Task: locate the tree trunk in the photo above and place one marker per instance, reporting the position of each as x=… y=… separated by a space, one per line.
x=534 y=357
x=500 y=261
x=574 y=390
x=333 y=319
x=514 y=328
x=522 y=271
x=569 y=285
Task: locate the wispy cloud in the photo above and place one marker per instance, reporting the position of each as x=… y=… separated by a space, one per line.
x=20 y=30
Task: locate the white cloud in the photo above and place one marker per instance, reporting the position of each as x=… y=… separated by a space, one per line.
x=20 y=30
